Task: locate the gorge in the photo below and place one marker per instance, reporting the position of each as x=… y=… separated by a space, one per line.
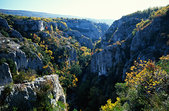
x=47 y=63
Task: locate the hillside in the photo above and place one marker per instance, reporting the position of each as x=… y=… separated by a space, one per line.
x=53 y=64
x=49 y=15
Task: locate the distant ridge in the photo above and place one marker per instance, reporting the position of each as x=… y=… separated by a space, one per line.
x=50 y=15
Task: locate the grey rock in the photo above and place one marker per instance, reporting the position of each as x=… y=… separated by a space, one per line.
x=110 y=60
x=15 y=34
x=120 y=30
x=29 y=25
x=44 y=34
x=1 y=35
x=101 y=62
x=35 y=63
x=62 y=26
x=89 y=29
x=19 y=57
x=5 y=74
x=54 y=25
x=83 y=40
x=24 y=96
x=148 y=43
x=4 y=24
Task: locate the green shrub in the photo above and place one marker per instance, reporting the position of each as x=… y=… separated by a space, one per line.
x=76 y=69
x=2 y=60
x=11 y=64
x=4 y=33
x=4 y=94
x=28 y=75
x=146 y=86
x=43 y=98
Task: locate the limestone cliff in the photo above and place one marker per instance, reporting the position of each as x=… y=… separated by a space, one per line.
x=11 y=50
x=124 y=45
x=25 y=96
x=89 y=29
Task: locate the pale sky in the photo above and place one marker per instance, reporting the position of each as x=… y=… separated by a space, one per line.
x=101 y=9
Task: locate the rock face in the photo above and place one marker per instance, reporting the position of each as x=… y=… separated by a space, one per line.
x=101 y=62
x=83 y=40
x=18 y=56
x=15 y=34
x=89 y=29
x=24 y=96
x=4 y=24
x=29 y=25
x=5 y=74
x=1 y=35
x=12 y=33
x=62 y=26
x=149 y=42
x=44 y=34
x=120 y=30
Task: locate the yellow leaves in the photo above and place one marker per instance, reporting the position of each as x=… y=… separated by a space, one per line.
x=111 y=106
x=118 y=99
x=66 y=78
x=83 y=49
x=161 y=12
x=69 y=37
x=164 y=57
x=39 y=54
x=146 y=74
x=76 y=44
x=64 y=23
x=44 y=67
x=49 y=52
x=86 y=51
x=143 y=24
x=148 y=91
x=132 y=68
x=74 y=81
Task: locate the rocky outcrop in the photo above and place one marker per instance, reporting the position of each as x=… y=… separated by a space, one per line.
x=109 y=61
x=44 y=35
x=4 y=24
x=12 y=33
x=89 y=29
x=29 y=25
x=149 y=42
x=5 y=74
x=1 y=35
x=25 y=96
x=62 y=26
x=18 y=56
x=15 y=34
x=101 y=62
x=83 y=40
x=120 y=30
